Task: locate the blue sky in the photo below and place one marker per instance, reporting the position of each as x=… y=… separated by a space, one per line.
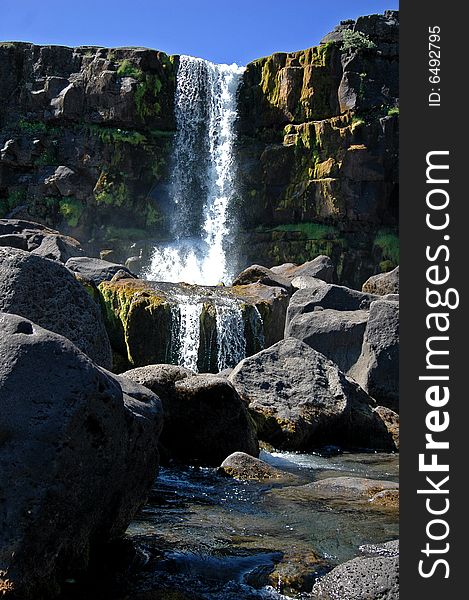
x=218 y=30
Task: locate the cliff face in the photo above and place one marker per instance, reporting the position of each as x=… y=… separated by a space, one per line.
x=318 y=150
x=85 y=139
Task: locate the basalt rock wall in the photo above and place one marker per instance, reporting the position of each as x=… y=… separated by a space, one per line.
x=86 y=136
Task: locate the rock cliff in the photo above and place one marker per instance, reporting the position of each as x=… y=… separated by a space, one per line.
x=85 y=141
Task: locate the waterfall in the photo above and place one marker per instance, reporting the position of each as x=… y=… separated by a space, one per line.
x=202 y=183
x=231 y=340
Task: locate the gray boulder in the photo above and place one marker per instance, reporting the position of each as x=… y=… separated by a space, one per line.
x=47 y=293
x=377 y=368
x=34 y=237
x=263 y=275
x=326 y=295
x=301 y=400
x=78 y=455
x=321 y=267
x=362 y=578
x=383 y=283
x=95 y=269
x=336 y=334
x=57 y=247
x=205 y=420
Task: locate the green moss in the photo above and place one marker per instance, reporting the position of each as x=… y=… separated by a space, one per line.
x=394 y=110
x=356 y=40
x=357 y=122
x=47 y=158
x=71 y=209
x=110 y=192
x=125 y=233
x=32 y=127
x=146 y=96
x=388 y=242
x=112 y=135
x=154 y=217
x=119 y=301
x=314 y=231
x=15 y=198
x=127 y=69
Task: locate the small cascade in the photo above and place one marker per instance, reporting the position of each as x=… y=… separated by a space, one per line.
x=189 y=334
x=212 y=332
x=231 y=338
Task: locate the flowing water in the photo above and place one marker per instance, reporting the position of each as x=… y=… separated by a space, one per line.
x=203 y=175
x=209 y=537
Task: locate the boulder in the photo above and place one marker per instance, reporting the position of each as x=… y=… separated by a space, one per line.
x=78 y=454
x=362 y=578
x=47 y=293
x=301 y=400
x=245 y=467
x=377 y=368
x=34 y=237
x=336 y=334
x=321 y=267
x=327 y=295
x=383 y=283
x=263 y=275
x=57 y=247
x=95 y=269
x=205 y=420
x=160 y=379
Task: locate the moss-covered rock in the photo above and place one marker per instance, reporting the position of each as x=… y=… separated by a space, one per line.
x=143 y=319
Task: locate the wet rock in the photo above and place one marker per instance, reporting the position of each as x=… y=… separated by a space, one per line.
x=351 y=491
x=47 y=293
x=382 y=284
x=297 y=572
x=321 y=267
x=377 y=369
x=373 y=578
x=336 y=334
x=326 y=295
x=259 y=274
x=95 y=269
x=243 y=466
x=86 y=442
x=301 y=400
x=386 y=499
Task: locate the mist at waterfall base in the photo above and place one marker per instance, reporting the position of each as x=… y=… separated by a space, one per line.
x=202 y=185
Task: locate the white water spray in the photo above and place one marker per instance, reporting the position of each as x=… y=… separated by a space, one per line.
x=202 y=185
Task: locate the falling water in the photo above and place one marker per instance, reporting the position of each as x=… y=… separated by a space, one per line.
x=202 y=185
x=231 y=341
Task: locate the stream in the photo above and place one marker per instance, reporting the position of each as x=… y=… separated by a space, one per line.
x=205 y=536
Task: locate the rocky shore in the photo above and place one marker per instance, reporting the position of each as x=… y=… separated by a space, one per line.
x=81 y=445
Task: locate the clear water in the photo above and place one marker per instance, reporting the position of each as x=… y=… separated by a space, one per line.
x=203 y=175
x=218 y=538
